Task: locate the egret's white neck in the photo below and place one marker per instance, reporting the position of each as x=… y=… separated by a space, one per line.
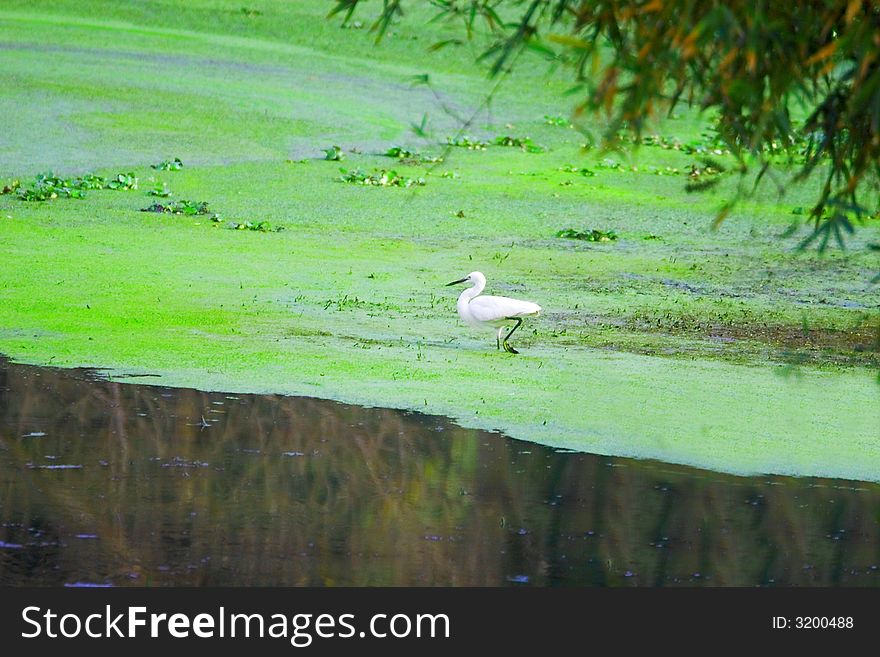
x=471 y=292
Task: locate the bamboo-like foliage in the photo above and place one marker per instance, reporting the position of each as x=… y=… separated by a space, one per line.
x=755 y=65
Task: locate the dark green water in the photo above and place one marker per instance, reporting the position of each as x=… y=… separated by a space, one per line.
x=109 y=483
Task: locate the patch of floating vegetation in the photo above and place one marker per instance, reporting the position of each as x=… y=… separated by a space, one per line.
x=160 y=190
x=523 y=143
x=558 y=121
x=405 y=156
x=379 y=178
x=257 y=226
x=470 y=143
x=334 y=154
x=583 y=171
x=201 y=208
x=48 y=186
x=168 y=165
x=473 y=144
x=588 y=235
x=188 y=208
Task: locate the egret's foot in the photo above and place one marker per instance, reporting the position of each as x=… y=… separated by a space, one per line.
x=509 y=349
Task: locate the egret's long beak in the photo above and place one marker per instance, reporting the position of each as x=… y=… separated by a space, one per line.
x=460 y=280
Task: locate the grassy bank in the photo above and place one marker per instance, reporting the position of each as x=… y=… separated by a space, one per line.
x=724 y=349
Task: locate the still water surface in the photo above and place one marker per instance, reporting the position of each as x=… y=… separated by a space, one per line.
x=118 y=484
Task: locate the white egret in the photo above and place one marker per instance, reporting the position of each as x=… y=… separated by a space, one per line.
x=488 y=311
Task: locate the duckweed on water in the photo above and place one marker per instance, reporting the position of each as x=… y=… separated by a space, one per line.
x=631 y=331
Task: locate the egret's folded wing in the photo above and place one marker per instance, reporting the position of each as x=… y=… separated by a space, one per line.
x=490 y=309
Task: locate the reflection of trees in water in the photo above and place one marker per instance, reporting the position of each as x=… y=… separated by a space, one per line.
x=373 y=496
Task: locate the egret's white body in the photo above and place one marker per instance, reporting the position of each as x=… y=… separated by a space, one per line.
x=485 y=311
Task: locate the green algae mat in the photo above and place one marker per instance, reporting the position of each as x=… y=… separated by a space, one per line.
x=302 y=242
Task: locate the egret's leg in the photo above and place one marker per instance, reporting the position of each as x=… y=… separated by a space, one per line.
x=518 y=323
x=507 y=347
x=498 y=337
